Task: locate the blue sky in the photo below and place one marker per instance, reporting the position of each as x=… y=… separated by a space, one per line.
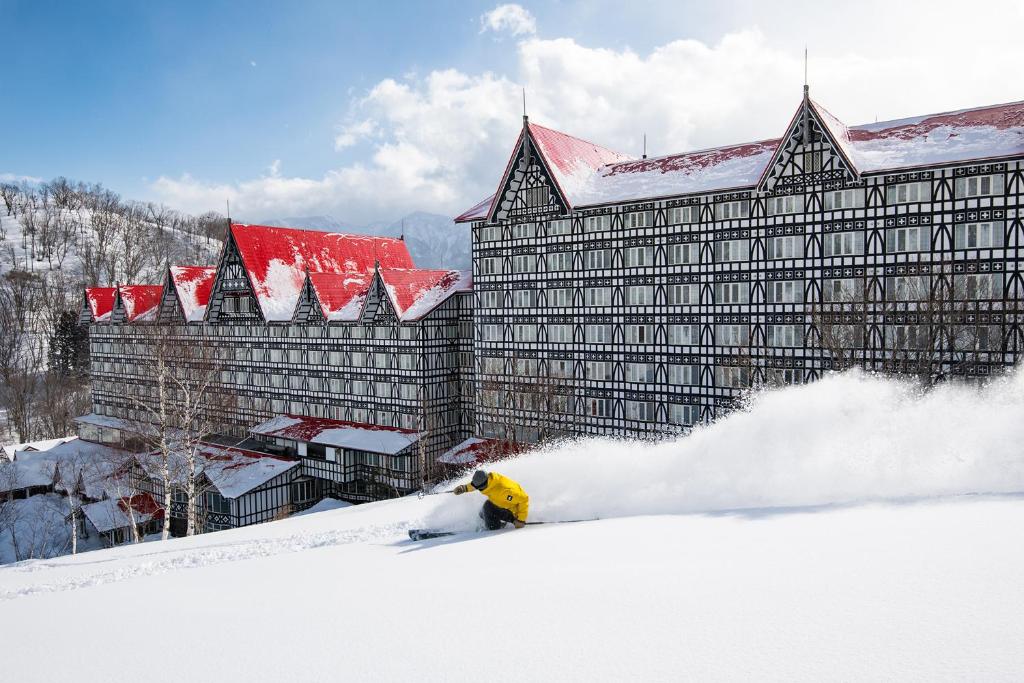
x=368 y=110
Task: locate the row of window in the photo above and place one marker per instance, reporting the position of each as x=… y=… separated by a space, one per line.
x=903 y=193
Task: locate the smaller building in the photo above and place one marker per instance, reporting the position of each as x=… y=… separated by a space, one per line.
x=112 y=519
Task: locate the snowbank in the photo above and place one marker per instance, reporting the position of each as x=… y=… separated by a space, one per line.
x=845 y=439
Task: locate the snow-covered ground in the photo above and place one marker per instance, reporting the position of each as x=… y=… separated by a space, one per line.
x=851 y=530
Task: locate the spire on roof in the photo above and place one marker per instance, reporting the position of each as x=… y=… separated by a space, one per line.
x=806 y=105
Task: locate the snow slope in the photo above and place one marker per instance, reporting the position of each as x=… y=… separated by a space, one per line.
x=851 y=529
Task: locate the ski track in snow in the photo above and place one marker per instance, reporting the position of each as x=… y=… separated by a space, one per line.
x=191 y=558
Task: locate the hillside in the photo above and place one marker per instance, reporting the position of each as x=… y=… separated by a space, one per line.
x=852 y=529
x=434 y=241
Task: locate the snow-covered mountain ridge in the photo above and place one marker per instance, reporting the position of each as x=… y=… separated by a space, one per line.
x=851 y=529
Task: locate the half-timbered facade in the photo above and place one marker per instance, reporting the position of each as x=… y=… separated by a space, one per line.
x=635 y=297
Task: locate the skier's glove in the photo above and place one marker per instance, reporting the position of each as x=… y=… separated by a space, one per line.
x=518 y=524
x=460 y=489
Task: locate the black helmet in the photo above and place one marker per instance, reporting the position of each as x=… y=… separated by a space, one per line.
x=479 y=480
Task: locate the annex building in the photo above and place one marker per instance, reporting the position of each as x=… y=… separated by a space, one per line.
x=609 y=295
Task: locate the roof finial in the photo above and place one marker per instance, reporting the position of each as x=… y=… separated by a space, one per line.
x=807 y=88
x=228 y=202
x=525 y=117
x=645 y=146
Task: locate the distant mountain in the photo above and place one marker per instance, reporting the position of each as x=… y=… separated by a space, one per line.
x=434 y=241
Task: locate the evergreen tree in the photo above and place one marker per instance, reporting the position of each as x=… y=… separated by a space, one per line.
x=69 y=347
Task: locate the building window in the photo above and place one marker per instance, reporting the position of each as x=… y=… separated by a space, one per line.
x=490 y=233
x=906 y=193
x=638 y=219
x=987 y=235
x=596 y=223
x=560 y=297
x=842 y=290
x=637 y=257
x=786 y=204
x=980 y=186
x=978 y=286
x=908 y=239
x=642 y=411
x=490 y=332
x=598 y=258
x=732 y=293
x=682 y=295
x=527 y=367
x=491 y=266
x=682 y=414
x=524 y=230
x=559 y=261
x=639 y=372
x=639 y=334
x=907 y=288
x=849 y=243
x=682 y=375
x=684 y=254
x=560 y=227
x=789 y=246
x=683 y=335
x=785 y=292
x=599 y=370
x=560 y=368
x=524 y=298
x=524 y=263
x=684 y=214
x=732 y=335
x=599 y=296
x=639 y=295
x=732 y=377
x=599 y=334
x=525 y=333
x=560 y=334
x=908 y=337
x=785 y=335
x=844 y=199
x=600 y=407
x=730 y=210
x=490 y=298
x=732 y=250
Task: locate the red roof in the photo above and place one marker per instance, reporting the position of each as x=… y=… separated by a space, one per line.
x=276 y=260
x=341 y=295
x=477 y=450
x=140 y=301
x=143 y=504
x=101 y=302
x=567 y=153
x=193 y=285
x=417 y=291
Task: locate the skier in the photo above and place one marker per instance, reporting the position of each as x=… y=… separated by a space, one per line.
x=506 y=500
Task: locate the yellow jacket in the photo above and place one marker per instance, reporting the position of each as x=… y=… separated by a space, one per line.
x=506 y=494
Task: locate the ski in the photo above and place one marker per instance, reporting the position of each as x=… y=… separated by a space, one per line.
x=424 y=534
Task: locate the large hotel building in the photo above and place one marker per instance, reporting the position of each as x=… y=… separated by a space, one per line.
x=609 y=295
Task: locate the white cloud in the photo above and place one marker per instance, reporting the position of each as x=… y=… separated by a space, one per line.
x=439 y=141
x=15 y=178
x=514 y=19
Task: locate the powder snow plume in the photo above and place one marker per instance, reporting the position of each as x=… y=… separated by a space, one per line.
x=847 y=438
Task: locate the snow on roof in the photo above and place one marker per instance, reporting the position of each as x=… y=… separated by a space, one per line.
x=233 y=471
x=966 y=135
x=101 y=302
x=24 y=473
x=277 y=259
x=193 y=285
x=415 y=292
x=476 y=212
x=141 y=302
x=338 y=433
x=112 y=513
x=572 y=161
x=341 y=295
x=12 y=450
x=475 y=450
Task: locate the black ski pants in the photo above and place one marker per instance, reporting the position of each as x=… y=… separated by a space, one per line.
x=495 y=517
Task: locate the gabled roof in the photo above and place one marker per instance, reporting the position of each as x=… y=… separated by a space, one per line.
x=193 y=285
x=112 y=513
x=101 y=302
x=341 y=295
x=415 y=292
x=477 y=212
x=338 y=433
x=233 y=471
x=141 y=302
x=995 y=131
x=476 y=450
x=276 y=260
